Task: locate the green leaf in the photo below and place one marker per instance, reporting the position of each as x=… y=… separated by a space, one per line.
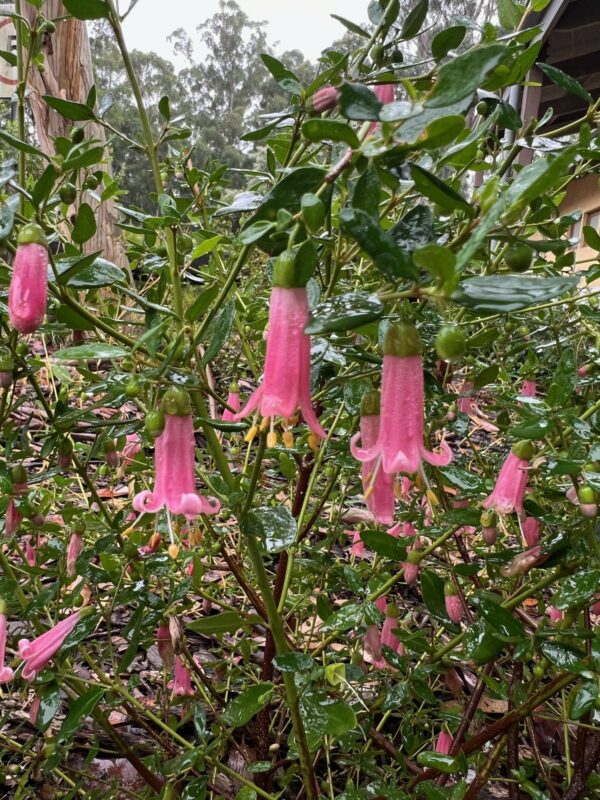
x=324 y=715
x=430 y=186
x=351 y=26
x=447 y=40
x=499 y=294
x=344 y=312
x=92 y=350
x=294 y=662
x=225 y=622
x=255 y=231
x=564 y=379
x=218 y=332
x=568 y=84
x=497 y=617
x=432 y=588
x=577 y=589
x=480 y=644
x=591 y=237
x=439 y=761
x=396 y=696
x=77 y=112
x=284 y=78
x=202 y=302
x=317 y=130
x=509 y=14
x=389 y=259
x=275 y=526
x=349 y=616
x=385 y=545
x=414 y=20
x=49 y=705
x=359 y=102
x=164 y=108
x=366 y=192
x=87 y=9
x=22 y=146
x=85 y=224
x=415 y=229
x=7 y=220
x=80 y=158
x=87 y=272
x=81 y=708
x=44 y=185
x=460 y=77
x=564 y=657
x=243 y=707
x=583 y=700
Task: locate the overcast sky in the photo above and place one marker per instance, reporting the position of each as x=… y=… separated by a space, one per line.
x=304 y=24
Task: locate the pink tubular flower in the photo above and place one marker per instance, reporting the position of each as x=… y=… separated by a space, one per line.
x=38 y=653
x=511 y=482
x=28 y=292
x=181 y=685
x=174 y=462
x=34 y=709
x=555 y=615
x=444 y=743
x=464 y=402
x=454 y=608
x=385 y=92
x=388 y=637
x=286 y=381
x=372 y=642
x=324 y=99
x=399 y=446
x=133 y=446
x=30 y=551
x=358 y=546
x=233 y=401
x=73 y=550
x=530 y=527
x=6 y=673
x=381 y=603
x=528 y=388
x=378 y=486
x=164 y=643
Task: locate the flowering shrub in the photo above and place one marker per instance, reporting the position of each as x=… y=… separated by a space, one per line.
x=302 y=500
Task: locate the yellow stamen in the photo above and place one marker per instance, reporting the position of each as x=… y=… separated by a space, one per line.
x=369 y=491
x=419 y=483
x=313 y=441
x=265 y=424
x=251 y=434
x=288 y=439
x=432 y=497
x=154 y=540
x=271 y=439
x=173 y=551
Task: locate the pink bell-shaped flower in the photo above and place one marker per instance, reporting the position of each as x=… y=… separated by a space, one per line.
x=181 y=685
x=530 y=528
x=174 y=463
x=233 y=401
x=133 y=446
x=28 y=292
x=388 y=637
x=286 y=381
x=511 y=482
x=73 y=550
x=6 y=673
x=378 y=486
x=444 y=743
x=372 y=642
x=399 y=446
x=453 y=604
x=164 y=642
x=38 y=653
x=528 y=388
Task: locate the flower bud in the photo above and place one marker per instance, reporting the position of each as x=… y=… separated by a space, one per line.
x=28 y=292
x=324 y=99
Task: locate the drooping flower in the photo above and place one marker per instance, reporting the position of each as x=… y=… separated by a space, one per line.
x=528 y=388
x=38 y=653
x=385 y=92
x=286 y=381
x=6 y=673
x=378 y=486
x=399 y=446
x=233 y=401
x=174 y=462
x=133 y=446
x=453 y=604
x=181 y=685
x=358 y=546
x=555 y=615
x=30 y=551
x=372 y=642
x=530 y=528
x=489 y=528
x=388 y=637
x=523 y=562
x=73 y=550
x=28 y=292
x=511 y=482
x=164 y=643
x=444 y=743
x=465 y=397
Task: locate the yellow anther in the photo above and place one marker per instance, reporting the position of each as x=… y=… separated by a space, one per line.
x=419 y=483
x=313 y=441
x=265 y=424
x=369 y=491
x=271 y=439
x=293 y=420
x=251 y=434
x=154 y=540
x=432 y=497
x=173 y=551
x=288 y=439
x=127 y=532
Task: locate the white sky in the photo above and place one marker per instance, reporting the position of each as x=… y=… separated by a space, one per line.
x=296 y=24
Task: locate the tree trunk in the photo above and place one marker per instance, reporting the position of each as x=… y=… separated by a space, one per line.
x=69 y=75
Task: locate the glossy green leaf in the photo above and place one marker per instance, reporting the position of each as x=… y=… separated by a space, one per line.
x=564 y=657
x=577 y=589
x=497 y=617
x=438 y=191
x=81 y=708
x=243 y=707
x=7 y=220
x=385 y=545
x=568 y=84
x=359 y=102
x=509 y=14
x=447 y=40
x=294 y=662
x=87 y=9
x=591 y=237
x=218 y=333
x=24 y=147
x=324 y=715
x=461 y=76
x=275 y=526
x=389 y=259
x=351 y=26
x=87 y=272
x=564 y=379
x=414 y=20
x=439 y=761
x=583 y=700
x=432 y=588
x=85 y=224
x=49 y=705
x=499 y=294
x=77 y=112
x=283 y=76
x=344 y=312
x=335 y=130
x=224 y=622
x=366 y=192
x=92 y=350
x=414 y=229
x=480 y=645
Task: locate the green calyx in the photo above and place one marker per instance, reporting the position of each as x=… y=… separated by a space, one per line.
x=155 y=423
x=65 y=447
x=108 y=446
x=524 y=450
x=6 y=360
x=234 y=388
x=392 y=611
x=285 y=274
x=449 y=589
x=585 y=494
x=488 y=519
x=176 y=402
x=19 y=475
x=402 y=340
x=414 y=557
x=369 y=405
x=32 y=234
